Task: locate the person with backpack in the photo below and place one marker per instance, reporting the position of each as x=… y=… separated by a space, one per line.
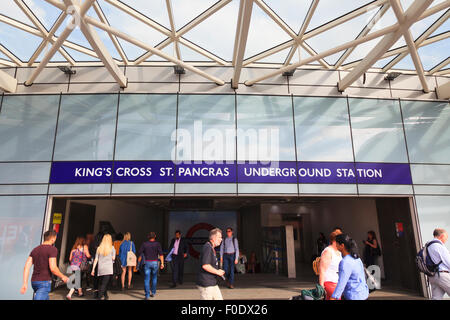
x=229 y=256
x=127 y=255
x=78 y=261
x=439 y=266
x=352 y=283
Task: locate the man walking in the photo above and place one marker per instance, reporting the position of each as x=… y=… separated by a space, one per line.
x=180 y=248
x=440 y=282
x=209 y=268
x=152 y=251
x=43 y=258
x=229 y=256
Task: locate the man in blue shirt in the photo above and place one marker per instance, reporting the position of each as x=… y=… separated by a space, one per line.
x=440 y=282
x=229 y=256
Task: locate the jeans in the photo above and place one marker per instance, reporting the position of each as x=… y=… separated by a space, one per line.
x=228 y=266
x=150 y=271
x=103 y=289
x=41 y=289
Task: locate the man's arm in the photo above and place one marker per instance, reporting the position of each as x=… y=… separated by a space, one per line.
x=209 y=268
x=444 y=254
x=26 y=274
x=54 y=269
x=325 y=260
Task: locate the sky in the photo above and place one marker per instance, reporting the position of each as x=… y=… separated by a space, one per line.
x=217 y=33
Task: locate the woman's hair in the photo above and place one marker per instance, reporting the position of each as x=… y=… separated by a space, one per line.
x=127 y=236
x=106 y=245
x=349 y=244
x=80 y=242
x=334 y=234
x=372 y=233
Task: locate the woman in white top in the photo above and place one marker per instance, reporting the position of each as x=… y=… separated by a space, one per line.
x=329 y=266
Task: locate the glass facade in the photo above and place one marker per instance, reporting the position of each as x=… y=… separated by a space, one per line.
x=38 y=129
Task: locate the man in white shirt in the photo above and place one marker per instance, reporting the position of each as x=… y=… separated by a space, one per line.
x=439 y=254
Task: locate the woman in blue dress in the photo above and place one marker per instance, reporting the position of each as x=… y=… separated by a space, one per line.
x=125 y=247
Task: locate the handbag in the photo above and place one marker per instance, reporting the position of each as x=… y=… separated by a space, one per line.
x=131 y=257
x=117 y=266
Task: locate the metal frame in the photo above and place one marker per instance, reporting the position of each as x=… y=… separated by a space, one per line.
x=417 y=11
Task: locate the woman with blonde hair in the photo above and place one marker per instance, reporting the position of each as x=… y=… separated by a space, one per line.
x=127 y=246
x=104 y=257
x=78 y=255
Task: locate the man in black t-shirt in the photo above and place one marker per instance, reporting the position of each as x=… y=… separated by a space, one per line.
x=209 y=268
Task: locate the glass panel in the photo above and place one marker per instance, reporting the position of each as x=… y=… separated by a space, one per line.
x=377 y=131
x=24 y=172
x=205 y=188
x=27 y=127
x=433 y=213
x=86 y=127
x=430 y=174
x=206 y=128
x=23 y=189
x=265 y=128
x=98 y=188
x=274 y=188
x=427 y=131
x=142 y=188
x=328 y=188
x=443 y=190
x=322 y=129
x=146 y=124
x=384 y=189
x=20 y=231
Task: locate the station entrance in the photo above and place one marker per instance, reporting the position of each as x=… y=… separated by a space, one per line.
x=281 y=232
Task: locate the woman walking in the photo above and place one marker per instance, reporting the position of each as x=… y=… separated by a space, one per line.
x=352 y=280
x=78 y=256
x=127 y=246
x=329 y=266
x=371 y=249
x=104 y=257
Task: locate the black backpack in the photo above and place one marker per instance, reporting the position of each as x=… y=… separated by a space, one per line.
x=424 y=262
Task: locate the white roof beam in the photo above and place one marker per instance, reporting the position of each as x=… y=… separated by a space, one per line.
x=298 y=40
x=398 y=10
x=147 y=47
x=440 y=66
x=411 y=16
x=219 y=5
x=241 y=40
x=443 y=91
x=11 y=56
x=116 y=43
x=364 y=32
x=7 y=82
x=326 y=53
x=173 y=29
x=302 y=31
x=99 y=47
x=419 y=40
x=58 y=43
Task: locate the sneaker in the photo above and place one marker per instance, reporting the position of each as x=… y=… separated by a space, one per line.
x=67 y=298
x=231 y=286
x=152 y=295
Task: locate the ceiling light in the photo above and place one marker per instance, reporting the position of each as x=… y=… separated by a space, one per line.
x=391 y=76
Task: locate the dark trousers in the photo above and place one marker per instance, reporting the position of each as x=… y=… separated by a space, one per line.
x=104 y=281
x=177 y=268
x=228 y=266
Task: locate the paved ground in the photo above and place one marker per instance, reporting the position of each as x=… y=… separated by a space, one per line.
x=247 y=287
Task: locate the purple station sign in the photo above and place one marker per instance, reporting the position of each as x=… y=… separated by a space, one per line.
x=226 y=172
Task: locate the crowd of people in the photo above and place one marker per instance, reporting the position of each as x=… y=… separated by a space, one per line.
x=341 y=270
